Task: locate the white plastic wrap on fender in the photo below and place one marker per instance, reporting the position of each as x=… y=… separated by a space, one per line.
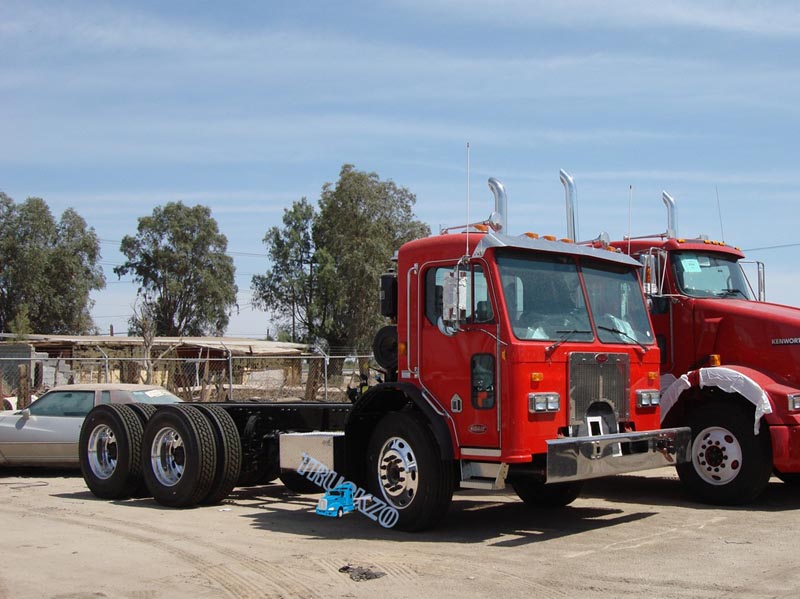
x=671 y=389
x=725 y=379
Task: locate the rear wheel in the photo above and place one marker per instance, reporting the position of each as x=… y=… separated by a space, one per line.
x=730 y=464
x=406 y=470
x=179 y=456
x=143 y=411
x=537 y=494
x=228 y=450
x=109 y=451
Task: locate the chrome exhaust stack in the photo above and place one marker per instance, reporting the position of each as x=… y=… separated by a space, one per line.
x=672 y=214
x=569 y=188
x=500 y=217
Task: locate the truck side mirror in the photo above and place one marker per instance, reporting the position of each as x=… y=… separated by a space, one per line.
x=454 y=302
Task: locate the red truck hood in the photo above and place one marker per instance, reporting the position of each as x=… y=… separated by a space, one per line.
x=760 y=335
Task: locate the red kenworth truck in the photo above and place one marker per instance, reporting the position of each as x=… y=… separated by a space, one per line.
x=510 y=359
x=730 y=360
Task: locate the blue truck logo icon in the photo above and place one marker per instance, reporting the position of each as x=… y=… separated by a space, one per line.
x=338 y=501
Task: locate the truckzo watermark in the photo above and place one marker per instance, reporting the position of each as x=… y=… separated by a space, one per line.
x=373 y=508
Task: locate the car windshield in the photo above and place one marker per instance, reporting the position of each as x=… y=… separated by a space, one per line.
x=543 y=297
x=617 y=304
x=705 y=274
x=155 y=396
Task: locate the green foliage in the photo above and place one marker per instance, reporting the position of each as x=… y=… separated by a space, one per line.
x=186 y=280
x=326 y=265
x=288 y=288
x=47 y=269
x=20 y=325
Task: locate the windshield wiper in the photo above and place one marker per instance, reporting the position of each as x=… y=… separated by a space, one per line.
x=730 y=292
x=564 y=337
x=624 y=334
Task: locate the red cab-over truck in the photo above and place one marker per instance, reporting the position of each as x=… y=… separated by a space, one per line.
x=511 y=359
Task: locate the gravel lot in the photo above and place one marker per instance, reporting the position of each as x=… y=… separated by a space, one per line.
x=628 y=536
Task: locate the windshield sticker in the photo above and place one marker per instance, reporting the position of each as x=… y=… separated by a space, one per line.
x=154 y=393
x=690 y=265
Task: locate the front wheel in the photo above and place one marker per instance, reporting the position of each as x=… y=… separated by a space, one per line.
x=406 y=470
x=730 y=464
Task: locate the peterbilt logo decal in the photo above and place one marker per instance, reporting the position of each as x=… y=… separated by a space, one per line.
x=477 y=429
x=787 y=341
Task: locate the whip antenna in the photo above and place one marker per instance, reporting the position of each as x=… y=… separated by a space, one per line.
x=466 y=253
x=719 y=212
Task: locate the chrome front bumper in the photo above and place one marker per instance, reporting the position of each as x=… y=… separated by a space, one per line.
x=581 y=458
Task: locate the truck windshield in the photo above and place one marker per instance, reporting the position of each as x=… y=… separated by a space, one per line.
x=705 y=274
x=617 y=304
x=543 y=297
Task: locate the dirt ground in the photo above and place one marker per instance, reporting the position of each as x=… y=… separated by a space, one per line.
x=628 y=536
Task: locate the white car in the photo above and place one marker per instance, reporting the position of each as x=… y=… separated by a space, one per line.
x=46 y=433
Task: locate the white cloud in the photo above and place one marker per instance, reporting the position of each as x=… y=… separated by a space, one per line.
x=738 y=16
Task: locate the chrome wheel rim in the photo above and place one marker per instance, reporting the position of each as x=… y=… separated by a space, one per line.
x=398 y=473
x=717 y=455
x=102 y=454
x=167 y=457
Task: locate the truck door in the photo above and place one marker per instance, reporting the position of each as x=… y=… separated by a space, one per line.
x=657 y=287
x=461 y=370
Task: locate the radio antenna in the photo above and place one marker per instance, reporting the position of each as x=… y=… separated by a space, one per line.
x=466 y=253
x=630 y=211
x=719 y=212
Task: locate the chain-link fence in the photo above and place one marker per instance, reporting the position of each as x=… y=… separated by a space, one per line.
x=236 y=378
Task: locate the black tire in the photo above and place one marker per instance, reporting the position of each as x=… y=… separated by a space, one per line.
x=143 y=411
x=109 y=451
x=406 y=470
x=229 y=453
x=178 y=456
x=730 y=464
x=537 y=494
x=298 y=483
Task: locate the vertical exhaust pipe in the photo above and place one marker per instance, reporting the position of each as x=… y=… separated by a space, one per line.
x=672 y=214
x=569 y=188
x=500 y=217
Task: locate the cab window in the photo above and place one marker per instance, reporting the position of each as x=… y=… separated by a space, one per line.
x=479 y=305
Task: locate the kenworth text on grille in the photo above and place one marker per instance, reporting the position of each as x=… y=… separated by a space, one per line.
x=518 y=360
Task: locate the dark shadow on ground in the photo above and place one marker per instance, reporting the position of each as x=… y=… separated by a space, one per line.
x=488 y=518
x=668 y=491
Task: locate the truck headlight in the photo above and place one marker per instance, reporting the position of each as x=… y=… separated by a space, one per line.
x=647 y=398
x=794 y=401
x=544 y=402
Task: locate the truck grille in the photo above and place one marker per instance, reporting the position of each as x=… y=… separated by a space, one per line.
x=598 y=377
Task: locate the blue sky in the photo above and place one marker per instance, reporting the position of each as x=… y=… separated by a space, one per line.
x=114 y=108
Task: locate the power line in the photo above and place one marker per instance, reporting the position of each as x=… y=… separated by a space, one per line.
x=773 y=247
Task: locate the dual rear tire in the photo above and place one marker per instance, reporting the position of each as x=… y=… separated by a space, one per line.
x=182 y=455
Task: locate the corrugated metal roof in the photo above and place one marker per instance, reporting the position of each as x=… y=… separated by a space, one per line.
x=237 y=346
